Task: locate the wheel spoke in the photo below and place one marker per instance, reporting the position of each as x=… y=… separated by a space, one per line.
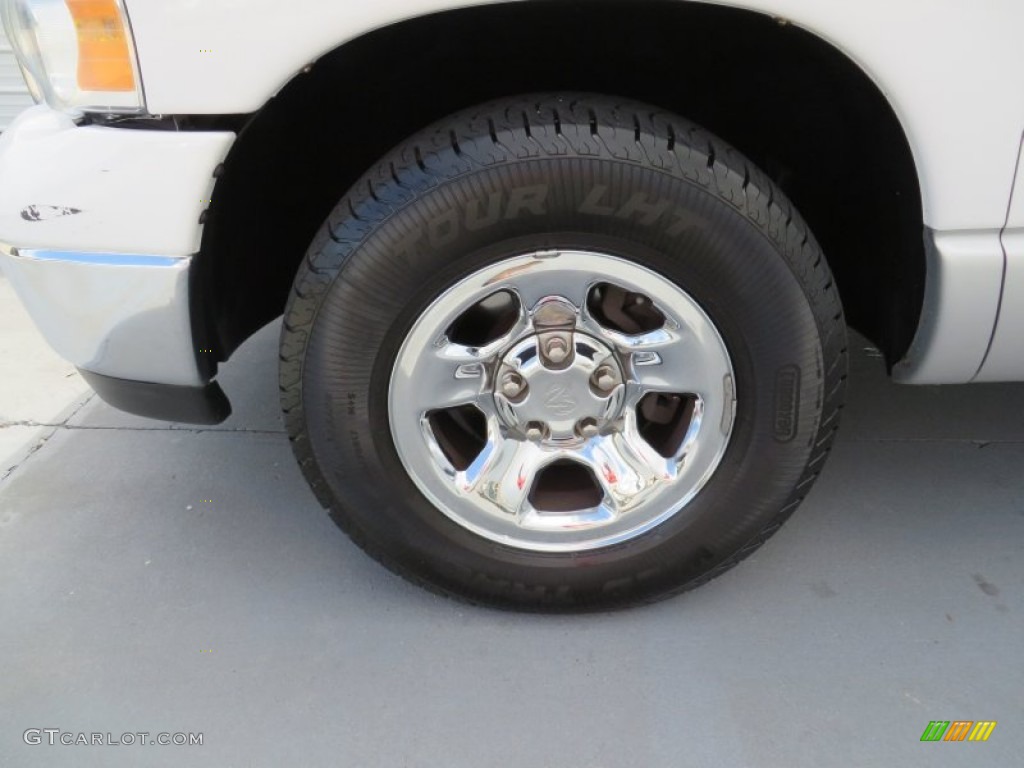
x=675 y=361
x=448 y=376
x=503 y=473
x=532 y=285
x=626 y=468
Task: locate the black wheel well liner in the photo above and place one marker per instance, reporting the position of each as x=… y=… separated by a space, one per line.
x=799 y=108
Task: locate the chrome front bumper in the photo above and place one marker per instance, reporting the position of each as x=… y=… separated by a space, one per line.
x=124 y=321
x=97 y=230
x=119 y=315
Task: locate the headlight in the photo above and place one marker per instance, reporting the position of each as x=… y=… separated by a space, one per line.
x=76 y=55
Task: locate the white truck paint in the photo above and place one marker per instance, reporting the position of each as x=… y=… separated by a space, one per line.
x=133 y=191
x=1006 y=354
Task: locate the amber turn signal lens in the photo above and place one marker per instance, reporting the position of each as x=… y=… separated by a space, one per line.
x=104 y=61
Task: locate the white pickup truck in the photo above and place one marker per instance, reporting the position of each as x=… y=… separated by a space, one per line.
x=565 y=283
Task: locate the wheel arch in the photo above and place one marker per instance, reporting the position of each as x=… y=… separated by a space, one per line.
x=800 y=108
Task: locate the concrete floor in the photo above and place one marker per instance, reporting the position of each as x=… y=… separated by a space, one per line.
x=37 y=388
x=155 y=578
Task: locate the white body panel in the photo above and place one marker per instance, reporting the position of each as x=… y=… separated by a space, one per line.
x=134 y=191
x=953 y=71
x=1005 y=360
x=965 y=270
x=1015 y=213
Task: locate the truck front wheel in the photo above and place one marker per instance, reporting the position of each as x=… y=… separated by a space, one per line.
x=562 y=352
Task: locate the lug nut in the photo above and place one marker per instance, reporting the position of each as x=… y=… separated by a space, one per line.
x=534 y=430
x=605 y=379
x=587 y=427
x=556 y=350
x=512 y=384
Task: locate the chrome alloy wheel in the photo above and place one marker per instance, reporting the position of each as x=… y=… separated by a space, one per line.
x=562 y=401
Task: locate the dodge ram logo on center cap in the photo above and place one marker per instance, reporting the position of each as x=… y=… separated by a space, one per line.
x=559 y=401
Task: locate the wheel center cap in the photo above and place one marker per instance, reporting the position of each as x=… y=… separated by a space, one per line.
x=558 y=386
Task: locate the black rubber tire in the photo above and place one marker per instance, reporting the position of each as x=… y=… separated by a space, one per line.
x=401 y=236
